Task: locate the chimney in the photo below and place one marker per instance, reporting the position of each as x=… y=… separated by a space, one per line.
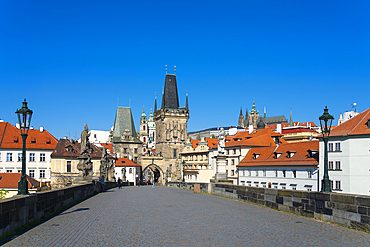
x=250 y=130
x=278 y=129
x=41 y=129
x=17 y=125
x=1 y=121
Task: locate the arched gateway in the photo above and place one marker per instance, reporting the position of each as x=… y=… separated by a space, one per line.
x=153 y=171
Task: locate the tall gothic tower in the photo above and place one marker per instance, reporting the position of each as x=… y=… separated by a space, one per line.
x=241 y=119
x=171 y=122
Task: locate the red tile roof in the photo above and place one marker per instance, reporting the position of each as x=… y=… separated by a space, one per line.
x=10 y=180
x=10 y=137
x=121 y=162
x=211 y=142
x=258 y=138
x=267 y=155
x=295 y=124
x=62 y=150
x=108 y=146
x=354 y=126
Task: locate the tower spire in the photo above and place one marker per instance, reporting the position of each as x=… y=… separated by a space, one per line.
x=291 y=118
x=155 y=101
x=241 y=118
x=187 y=101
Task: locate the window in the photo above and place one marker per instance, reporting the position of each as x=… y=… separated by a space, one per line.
x=256 y=184
x=227 y=173
x=135 y=150
x=338 y=185
x=125 y=150
x=227 y=152
x=94 y=135
x=309 y=174
x=330 y=165
x=309 y=187
x=144 y=129
x=263 y=184
x=32 y=157
x=242 y=182
x=69 y=166
x=249 y=183
x=42 y=173
x=144 y=139
x=234 y=151
x=284 y=174
x=0 y=156
x=276 y=174
x=294 y=173
x=32 y=173
x=330 y=147
x=283 y=186
x=135 y=159
x=19 y=171
x=175 y=153
x=9 y=171
x=275 y=185
x=240 y=173
x=130 y=170
x=337 y=165
x=19 y=157
x=264 y=174
x=337 y=146
x=227 y=162
x=42 y=157
x=256 y=173
x=232 y=162
x=9 y=157
x=232 y=172
x=293 y=186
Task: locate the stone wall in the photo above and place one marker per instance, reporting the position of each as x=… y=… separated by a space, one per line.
x=204 y=187
x=18 y=211
x=343 y=209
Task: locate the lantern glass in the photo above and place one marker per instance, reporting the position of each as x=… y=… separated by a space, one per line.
x=24 y=117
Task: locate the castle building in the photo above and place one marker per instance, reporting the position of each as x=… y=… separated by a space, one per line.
x=253 y=117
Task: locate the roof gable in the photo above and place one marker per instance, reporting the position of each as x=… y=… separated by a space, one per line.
x=124 y=121
x=354 y=126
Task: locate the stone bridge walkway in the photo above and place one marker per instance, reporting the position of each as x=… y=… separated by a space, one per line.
x=160 y=216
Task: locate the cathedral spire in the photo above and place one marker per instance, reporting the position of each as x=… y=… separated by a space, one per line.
x=241 y=118
x=291 y=118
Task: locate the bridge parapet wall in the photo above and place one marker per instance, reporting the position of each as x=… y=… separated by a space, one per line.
x=204 y=187
x=18 y=211
x=343 y=209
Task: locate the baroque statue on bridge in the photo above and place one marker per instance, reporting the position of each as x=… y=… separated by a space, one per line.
x=85 y=164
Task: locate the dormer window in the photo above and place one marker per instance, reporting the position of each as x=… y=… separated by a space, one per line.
x=15 y=139
x=48 y=140
x=291 y=153
x=256 y=155
x=33 y=140
x=68 y=149
x=277 y=154
x=311 y=153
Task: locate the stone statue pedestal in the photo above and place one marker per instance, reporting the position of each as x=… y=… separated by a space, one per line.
x=221 y=167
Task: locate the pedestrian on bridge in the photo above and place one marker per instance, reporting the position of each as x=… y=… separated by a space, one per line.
x=153 y=182
x=119 y=183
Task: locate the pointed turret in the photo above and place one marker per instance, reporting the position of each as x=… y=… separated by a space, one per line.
x=187 y=101
x=155 y=102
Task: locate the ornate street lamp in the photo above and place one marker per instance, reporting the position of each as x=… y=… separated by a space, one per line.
x=24 y=119
x=325 y=130
x=183 y=171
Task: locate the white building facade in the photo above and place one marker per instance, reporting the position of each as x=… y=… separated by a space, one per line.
x=349 y=156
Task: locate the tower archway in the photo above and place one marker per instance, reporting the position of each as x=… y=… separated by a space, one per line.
x=153 y=171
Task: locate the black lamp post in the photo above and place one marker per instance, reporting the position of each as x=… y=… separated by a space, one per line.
x=183 y=171
x=325 y=130
x=24 y=119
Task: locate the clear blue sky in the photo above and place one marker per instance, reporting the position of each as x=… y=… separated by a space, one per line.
x=72 y=60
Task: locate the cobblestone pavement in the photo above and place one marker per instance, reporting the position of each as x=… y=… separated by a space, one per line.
x=160 y=216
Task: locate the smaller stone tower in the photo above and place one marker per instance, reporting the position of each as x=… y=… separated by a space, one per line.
x=144 y=132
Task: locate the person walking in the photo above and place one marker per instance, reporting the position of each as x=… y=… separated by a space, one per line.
x=119 y=183
x=101 y=180
x=153 y=182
